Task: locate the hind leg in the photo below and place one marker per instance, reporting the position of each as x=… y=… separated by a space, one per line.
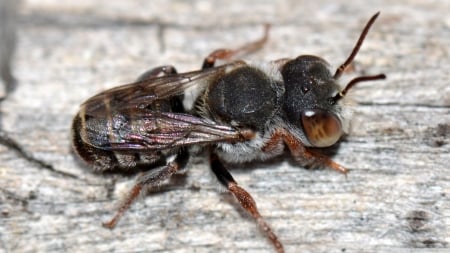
x=166 y=70
x=148 y=179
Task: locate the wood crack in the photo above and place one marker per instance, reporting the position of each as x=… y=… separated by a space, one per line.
x=13 y=145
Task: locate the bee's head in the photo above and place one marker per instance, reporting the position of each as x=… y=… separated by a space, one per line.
x=312 y=95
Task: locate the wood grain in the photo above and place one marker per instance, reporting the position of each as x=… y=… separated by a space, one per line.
x=395 y=199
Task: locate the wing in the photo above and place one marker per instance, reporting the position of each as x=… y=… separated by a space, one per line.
x=144 y=93
x=151 y=131
x=127 y=118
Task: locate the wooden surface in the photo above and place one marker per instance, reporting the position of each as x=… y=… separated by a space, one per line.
x=395 y=199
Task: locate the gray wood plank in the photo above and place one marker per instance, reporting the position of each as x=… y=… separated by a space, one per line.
x=395 y=199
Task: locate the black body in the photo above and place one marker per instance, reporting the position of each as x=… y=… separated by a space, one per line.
x=246 y=96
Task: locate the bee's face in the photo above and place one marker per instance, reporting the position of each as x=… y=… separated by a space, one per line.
x=308 y=102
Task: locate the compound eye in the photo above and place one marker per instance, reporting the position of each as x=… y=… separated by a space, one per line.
x=322 y=128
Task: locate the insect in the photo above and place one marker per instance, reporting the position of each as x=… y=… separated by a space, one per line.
x=237 y=111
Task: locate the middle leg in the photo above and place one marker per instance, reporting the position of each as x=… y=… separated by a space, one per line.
x=227 y=54
x=245 y=200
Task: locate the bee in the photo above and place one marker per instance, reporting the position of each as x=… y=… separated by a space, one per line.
x=237 y=112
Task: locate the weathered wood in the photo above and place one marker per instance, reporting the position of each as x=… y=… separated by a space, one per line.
x=395 y=199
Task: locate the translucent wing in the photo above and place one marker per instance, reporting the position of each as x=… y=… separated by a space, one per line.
x=130 y=117
x=144 y=93
x=160 y=131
